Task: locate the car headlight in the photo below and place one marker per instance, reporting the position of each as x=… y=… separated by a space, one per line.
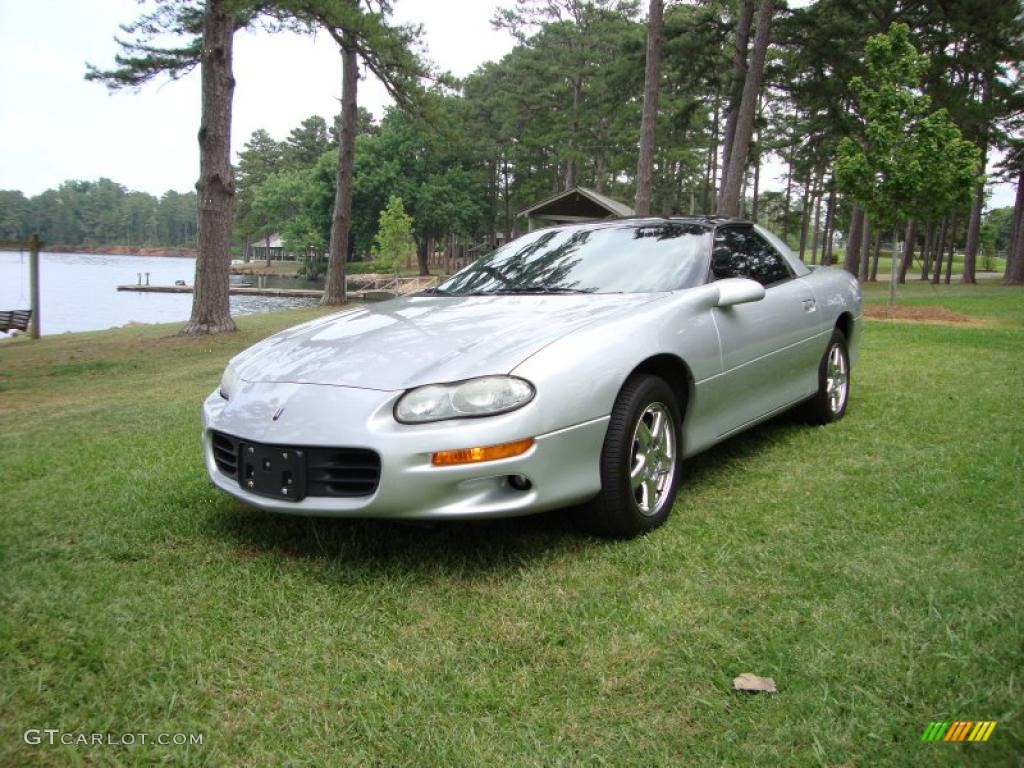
x=485 y=396
x=229 y=382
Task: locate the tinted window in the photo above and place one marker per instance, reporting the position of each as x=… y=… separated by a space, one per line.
x=625 y=258
x=741 y=252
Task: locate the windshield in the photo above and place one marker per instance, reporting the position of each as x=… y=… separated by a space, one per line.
x=631 y=258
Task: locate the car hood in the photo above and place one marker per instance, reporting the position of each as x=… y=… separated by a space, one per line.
x=418 y=340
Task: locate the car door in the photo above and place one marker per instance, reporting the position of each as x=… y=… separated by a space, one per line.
x=769 y=357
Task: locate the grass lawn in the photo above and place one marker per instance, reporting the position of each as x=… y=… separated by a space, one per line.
x=873 y=568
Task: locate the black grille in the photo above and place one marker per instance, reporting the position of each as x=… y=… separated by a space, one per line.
x=336 y=472
x=225 y=453
x=342 y=471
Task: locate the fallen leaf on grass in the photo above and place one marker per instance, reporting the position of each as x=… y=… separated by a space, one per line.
x=748 y=682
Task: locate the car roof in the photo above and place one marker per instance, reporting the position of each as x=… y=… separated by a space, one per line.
x=710 y=222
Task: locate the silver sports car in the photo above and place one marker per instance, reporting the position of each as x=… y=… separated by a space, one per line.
x=574 y=366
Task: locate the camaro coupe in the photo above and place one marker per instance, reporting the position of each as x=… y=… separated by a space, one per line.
x=574 y=366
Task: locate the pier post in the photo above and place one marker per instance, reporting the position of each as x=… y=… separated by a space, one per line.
x=33 y=271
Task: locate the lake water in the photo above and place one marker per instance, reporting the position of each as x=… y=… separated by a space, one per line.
x=78 y=291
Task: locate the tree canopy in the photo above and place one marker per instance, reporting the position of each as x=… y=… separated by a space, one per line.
x=101 y=212
x=909 y=161
x=393 y=243
x=862 y=130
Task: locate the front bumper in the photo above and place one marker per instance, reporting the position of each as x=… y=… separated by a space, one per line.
x=562 y=465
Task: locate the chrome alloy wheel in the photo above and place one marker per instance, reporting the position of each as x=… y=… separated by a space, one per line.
x=837 y=379
x=653 y=464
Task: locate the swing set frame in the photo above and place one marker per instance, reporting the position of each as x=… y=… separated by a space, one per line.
x=15 y=318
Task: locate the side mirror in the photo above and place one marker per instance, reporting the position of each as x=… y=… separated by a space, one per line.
x=738 y=290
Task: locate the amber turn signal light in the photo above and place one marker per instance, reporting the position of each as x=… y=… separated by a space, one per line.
x=487 y=453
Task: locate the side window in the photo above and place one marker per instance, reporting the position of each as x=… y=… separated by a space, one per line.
x=729 y=254
x=766 y=265
x=741 y=252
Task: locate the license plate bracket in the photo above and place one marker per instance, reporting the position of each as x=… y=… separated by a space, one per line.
x=272 y=470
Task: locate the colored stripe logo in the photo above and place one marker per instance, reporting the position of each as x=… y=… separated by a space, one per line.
x=959 y=730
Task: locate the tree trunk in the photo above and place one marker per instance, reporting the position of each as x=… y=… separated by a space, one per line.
x=926 y=252
x=652 y=74
x=600 y=173
x=508 y=204
x=814 y=237
x=974 y=223
x=570 y=168
x=805 y=219
x=974 y=231
x=423 y=254
x=851 y=261
x=336 y=289
x=952 y=249
x=493 y=229
x=865 y=250
x=714 y=157
x=893 y=269
x=826 y=248
x=939 y=250
x=706 y=194
x=908 y=250
x=1014 y=274
x=211 y=304
x=785 y=210
x=757 y=182
x=873 y=277
x=1018 y=213
x=730 y=200
x=739 y=76
x=743 y=194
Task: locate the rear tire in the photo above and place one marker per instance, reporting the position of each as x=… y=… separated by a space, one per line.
x=829 y=403
x=640 y=462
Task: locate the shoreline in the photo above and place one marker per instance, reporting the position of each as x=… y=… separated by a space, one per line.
x=170 y=252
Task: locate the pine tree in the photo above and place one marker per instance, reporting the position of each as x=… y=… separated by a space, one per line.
x=648 y=121
x=393 y=243
x=729 y=204
x=204 y=32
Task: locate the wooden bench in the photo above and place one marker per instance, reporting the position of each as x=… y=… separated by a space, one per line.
x=15 y=320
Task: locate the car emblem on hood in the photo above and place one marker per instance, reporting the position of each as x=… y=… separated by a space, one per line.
x=277 y=413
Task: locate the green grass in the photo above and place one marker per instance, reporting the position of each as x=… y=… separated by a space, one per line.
x=873 y=568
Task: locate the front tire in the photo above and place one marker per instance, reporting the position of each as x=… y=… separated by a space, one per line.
x=829 y=402
x=640 y=462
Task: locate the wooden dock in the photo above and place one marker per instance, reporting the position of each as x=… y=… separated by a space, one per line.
x=234 y=290
x=370 y=289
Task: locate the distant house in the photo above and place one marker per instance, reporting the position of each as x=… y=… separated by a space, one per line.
x=572 y=205
x=270 y=247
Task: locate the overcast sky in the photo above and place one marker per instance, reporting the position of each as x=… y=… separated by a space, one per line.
x=55 y=126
